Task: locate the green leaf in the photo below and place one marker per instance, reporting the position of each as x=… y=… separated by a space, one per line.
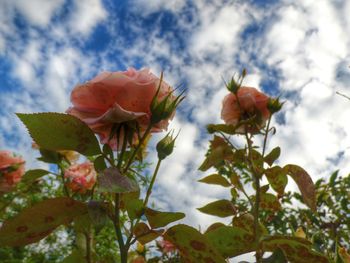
x=48 y=156
x=57 y=131
x=333 y=178
x=36 y=222
x=269 y=202
x=193 y=246
x=100 y=164
x=231 y=241
x=215 y=179
x=305 y=184
x=75 y=257
x=32 y=175
x=158 y=219
x=296 y=250
x=144 y=234
x=276 y=257
x=218 y=152
x=97 y=211
x=221 y=208
x=246 y=222
x=112 y=181
x=228 y=129
x=134 y=208
x=277 y=179
x=272 y=156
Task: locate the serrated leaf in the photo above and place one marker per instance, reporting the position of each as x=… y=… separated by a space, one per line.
x=305 y=184
x=144 y=234
x=193 y=246
x=57 y=131
x=277 y=179
x=221 y=208
x=32 y=175
x=158 y=219
x=296 y=250
x=219 y=151
x=215 y=179
x=36 y=222
x=112 y=181
x=272 y=156
x=231 y=241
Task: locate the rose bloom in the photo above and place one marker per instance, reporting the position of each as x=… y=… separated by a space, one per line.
x=251 y=102
x=80 y=177
x=166 y=246
x=116 y=97
x=11 y=170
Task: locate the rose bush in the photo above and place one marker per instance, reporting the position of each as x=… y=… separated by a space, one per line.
x=117 y=97
x=80 y=177
x=248 y=102
x=11 y=170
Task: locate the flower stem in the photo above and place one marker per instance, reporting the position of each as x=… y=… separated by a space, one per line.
x=149 y=190
x=131 y=159
x=123 y=253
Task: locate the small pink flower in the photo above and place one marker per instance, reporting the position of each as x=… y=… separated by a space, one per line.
x=11 y=170
x=251 y=101
x=80 y=177
x=117 y=97
x=166 y=246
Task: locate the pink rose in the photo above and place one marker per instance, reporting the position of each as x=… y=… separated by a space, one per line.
x=11 y=170
x=80 y=177
x=166 y=246
x=116 y=97
x=251 y=102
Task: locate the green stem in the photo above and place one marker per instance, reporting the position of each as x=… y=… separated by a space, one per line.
x=123 y=255
x=149 y=190
x=131 y=159
x=88 y=246
x=129 y=241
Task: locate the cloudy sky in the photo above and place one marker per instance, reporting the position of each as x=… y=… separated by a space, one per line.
x=299 y=50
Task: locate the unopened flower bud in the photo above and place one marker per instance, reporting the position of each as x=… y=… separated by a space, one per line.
x=274 y=105
x=163 y=109
x=165 y=146
x=233 y=86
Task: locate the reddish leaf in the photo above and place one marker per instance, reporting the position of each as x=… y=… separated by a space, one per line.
x=144 y=234
x=193 y=246
x=305 y=184
x=277 y=178
x=36 y=222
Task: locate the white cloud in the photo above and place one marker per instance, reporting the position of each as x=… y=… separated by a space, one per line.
x=86 y=15
x=38 y=12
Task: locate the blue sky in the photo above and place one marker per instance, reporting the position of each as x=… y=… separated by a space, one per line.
x=297 y=49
